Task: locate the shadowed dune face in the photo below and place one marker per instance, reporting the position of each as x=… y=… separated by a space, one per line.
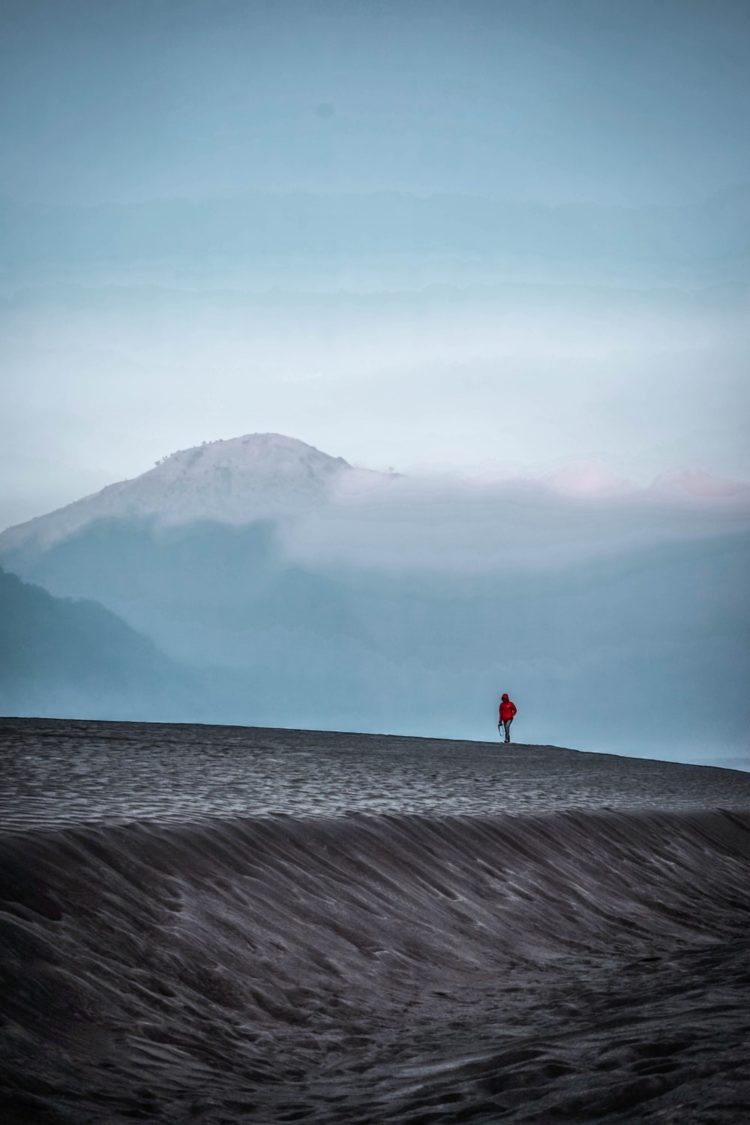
x=378 y=968
x=479 y=958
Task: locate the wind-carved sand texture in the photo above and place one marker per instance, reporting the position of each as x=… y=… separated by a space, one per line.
x=222 y=924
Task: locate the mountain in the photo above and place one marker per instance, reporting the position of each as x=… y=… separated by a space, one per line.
x=236 y=481
x=302 y=592
x=65 y=657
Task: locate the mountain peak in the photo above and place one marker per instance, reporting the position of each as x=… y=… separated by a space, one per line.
x=236 y=480
x=259 y=448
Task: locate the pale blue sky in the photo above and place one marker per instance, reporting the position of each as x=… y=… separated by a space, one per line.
x=560 y=100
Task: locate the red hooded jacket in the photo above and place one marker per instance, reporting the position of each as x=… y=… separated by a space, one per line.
x=507 y=708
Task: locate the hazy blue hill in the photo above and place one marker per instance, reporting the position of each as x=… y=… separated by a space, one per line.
x=650 y=644
x=65 y=657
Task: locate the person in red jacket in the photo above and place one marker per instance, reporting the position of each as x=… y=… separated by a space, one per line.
x=506 y=715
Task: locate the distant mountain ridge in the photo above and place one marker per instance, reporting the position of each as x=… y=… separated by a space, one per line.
x=72 y=657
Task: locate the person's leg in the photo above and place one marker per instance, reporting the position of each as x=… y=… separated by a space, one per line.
x=506 y=724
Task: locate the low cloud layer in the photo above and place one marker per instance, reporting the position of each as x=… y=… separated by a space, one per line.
x=473 y=526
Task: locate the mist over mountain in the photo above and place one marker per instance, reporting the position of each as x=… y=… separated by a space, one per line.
x=304 y=592
x=323 y=501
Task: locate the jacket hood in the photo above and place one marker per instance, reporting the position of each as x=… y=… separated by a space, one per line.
x=505 y=697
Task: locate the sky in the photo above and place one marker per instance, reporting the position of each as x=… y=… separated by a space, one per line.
x=438 y=236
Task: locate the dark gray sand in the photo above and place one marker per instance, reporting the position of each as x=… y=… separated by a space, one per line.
x=217 y=924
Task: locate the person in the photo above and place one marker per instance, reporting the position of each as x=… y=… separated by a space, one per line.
x=506 y=715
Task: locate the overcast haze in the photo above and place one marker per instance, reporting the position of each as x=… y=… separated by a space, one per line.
x=454 y=236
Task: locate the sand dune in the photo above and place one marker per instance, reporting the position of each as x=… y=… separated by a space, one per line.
x=577 y=956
